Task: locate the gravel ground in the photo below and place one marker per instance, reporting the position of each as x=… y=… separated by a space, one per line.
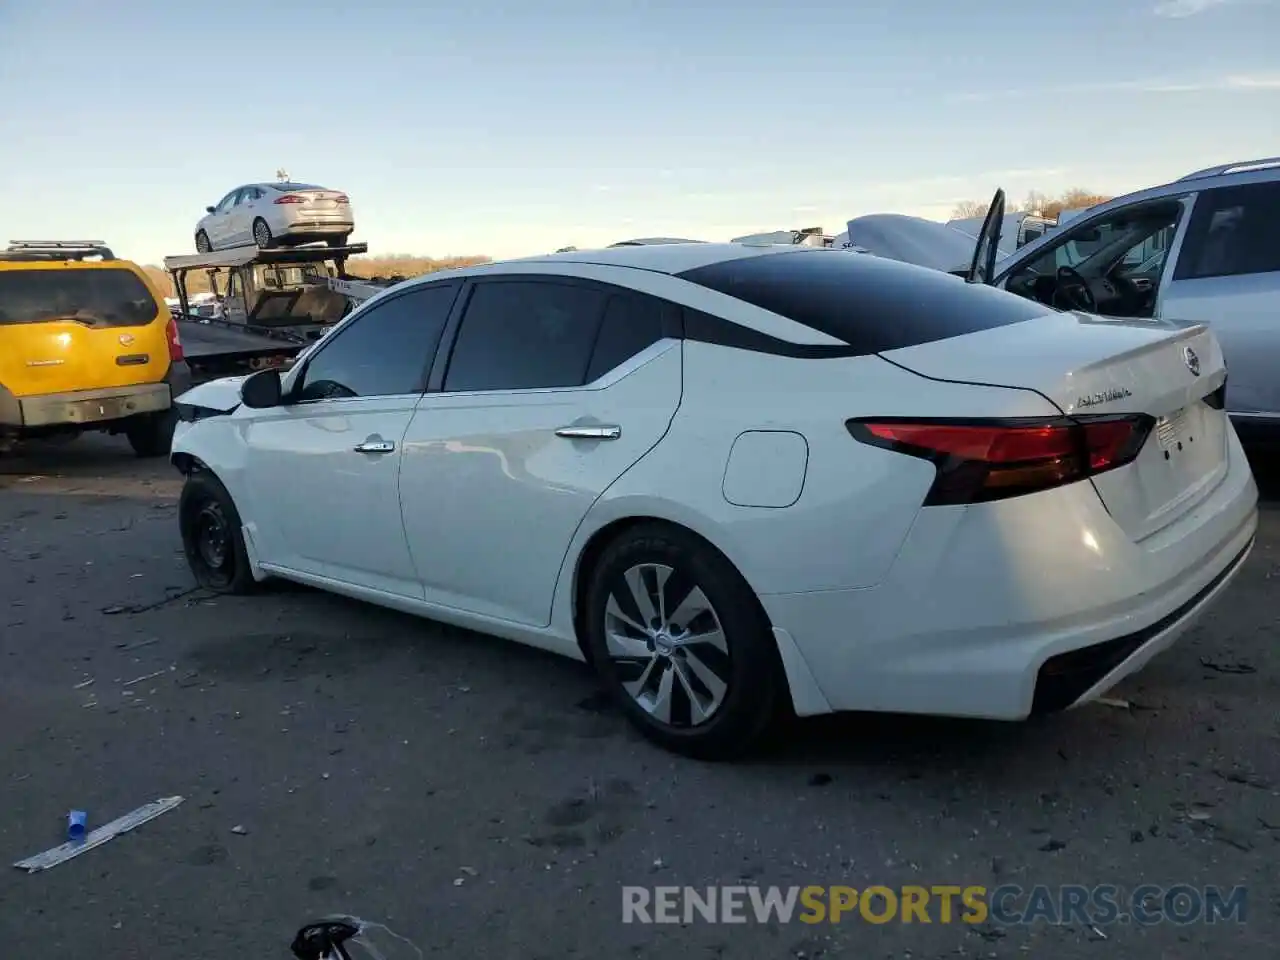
x=478 y=798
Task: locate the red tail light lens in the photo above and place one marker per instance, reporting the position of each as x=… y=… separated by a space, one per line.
x=982 y=460
x=342 y=198
x=175 y=341
x=291 y=198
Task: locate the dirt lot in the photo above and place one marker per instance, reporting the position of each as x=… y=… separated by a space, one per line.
x=478 y=799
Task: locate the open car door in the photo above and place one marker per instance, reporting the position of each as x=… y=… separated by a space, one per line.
x=987 y=249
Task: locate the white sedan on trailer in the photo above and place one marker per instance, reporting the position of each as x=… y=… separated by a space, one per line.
x=740 y=478
x=274 y=215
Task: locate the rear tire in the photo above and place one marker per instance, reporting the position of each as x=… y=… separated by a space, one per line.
x=262 y=234
x=151 y=434
x=202 y=242
x=341 y=241
x=703 y=678
x=211 y=536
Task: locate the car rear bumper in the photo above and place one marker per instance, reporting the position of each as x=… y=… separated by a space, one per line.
x=84 y=407
x=1019 y=606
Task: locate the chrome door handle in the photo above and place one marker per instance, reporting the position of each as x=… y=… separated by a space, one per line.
x=375 y=446
x=590 y=433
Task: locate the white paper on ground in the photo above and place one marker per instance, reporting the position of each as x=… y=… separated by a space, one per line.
x=96 y=838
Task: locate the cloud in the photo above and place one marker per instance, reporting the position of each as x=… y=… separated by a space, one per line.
x=1239 y=83
x=1181 y=9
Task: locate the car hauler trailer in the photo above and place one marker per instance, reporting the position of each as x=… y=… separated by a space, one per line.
x=274 y=303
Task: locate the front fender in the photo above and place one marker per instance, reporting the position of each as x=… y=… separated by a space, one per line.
x=222 y=396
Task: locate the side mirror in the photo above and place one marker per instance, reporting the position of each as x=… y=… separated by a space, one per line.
x=208 y=209
x=261 y=390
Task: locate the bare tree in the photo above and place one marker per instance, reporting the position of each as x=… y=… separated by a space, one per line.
x=1038 y=203
x=969 y=208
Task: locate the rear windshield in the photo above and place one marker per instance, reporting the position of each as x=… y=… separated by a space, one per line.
x=107 y=297
x=290 y=187
x=870 y=303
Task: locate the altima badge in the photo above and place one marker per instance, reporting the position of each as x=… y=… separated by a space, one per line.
x=1106 y=396
x=1191 y=360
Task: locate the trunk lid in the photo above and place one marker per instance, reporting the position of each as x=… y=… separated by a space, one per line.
x=1098 y=365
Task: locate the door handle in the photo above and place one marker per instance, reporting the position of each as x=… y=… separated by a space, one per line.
x=609 y=432
x=375 y=446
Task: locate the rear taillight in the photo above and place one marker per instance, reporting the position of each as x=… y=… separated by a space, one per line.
x=175 y=341
x=342 y=198
x=291 y=198
x=982 y=460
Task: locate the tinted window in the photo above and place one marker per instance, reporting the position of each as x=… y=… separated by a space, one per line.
x=228 y=201
x=1233 y=231
x=870 y=303
x=288 y=187
x=524 y=335
x=107 y=297
x=630 y=324
x=383 y=353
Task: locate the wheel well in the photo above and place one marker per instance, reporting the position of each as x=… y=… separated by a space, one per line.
x=599 y=541
x=187 y=463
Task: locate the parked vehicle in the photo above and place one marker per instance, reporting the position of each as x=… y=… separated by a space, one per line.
x=265 y=305
x=1016 y=230
x=276 y=214
x=698 y=467
x=1204 y=249
x=86 y=343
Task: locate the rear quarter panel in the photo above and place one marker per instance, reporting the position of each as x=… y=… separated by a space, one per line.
x=857 y=503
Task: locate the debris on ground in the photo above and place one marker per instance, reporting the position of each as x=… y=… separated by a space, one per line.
x=239 y=830
x=1233 y=668
x=60 y=854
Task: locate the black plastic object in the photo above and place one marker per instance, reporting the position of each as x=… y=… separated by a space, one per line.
x=324 y=939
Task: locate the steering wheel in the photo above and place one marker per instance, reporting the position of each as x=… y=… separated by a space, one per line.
x=1075 y=290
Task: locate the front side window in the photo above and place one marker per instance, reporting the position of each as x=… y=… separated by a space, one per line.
x=1088 y=266
x=1234 y=231
x=385 y=352
x=227 y=202
x=525 y=335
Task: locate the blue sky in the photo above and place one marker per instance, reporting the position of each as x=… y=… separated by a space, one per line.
x=511 y=128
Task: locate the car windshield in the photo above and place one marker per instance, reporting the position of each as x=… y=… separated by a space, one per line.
x=108 y=297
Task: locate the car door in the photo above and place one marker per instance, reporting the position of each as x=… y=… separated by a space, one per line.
x=554 y=388
x=1227 y=275
x=240 y=223
x=219 y=226
x=324 y=468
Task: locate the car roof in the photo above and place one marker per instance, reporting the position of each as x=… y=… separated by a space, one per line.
x=670 y=258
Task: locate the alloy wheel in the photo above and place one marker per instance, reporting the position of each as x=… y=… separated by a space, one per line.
x=667 y=644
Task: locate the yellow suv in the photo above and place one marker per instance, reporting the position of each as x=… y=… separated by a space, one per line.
x=86 y=343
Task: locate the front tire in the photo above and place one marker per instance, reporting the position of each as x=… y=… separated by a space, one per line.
x=212 y=538
x=682 y=644
x=151 y=434
x=202 y=242
x=262 y=234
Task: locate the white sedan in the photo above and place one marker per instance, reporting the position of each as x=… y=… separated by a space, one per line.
x=276 y=214
x=739 y=479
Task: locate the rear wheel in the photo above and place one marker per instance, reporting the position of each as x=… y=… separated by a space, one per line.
x=682 y=643
x=211 y=536
x=262 y=234
x=202 y=242
x=341 y=241
x=151 y=434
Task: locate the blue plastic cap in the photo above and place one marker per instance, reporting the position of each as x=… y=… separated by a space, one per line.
x=77 y=820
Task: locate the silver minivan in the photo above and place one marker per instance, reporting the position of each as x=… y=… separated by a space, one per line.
x=1203 y=249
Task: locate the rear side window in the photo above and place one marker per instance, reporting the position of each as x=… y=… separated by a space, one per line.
x=1233 y=231
x=870 y=303
x=105 y=297
x=525 y=335
x=631 y=323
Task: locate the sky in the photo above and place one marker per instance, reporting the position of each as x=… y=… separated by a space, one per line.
x=514 y=128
